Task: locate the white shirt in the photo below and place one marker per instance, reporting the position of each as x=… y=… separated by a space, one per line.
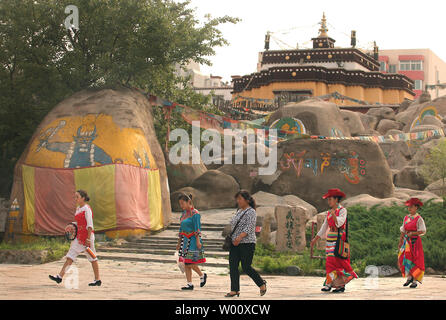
x=88 y=215
x=340 y=220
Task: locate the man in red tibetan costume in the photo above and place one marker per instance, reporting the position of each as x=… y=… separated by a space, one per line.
x=335 y=228
x=411 y=254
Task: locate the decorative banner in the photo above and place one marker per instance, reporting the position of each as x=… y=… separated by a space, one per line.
x=219 y=123
x=116 y=203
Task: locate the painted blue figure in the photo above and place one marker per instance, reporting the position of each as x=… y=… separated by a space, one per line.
x=82 y=152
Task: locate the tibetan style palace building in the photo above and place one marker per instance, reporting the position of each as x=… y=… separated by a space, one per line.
x=320 y=71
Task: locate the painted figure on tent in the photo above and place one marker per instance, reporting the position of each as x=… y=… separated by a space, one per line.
x=81 y=152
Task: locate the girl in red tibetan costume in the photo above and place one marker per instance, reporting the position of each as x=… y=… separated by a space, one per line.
x=411 y=254
x=190 y=245
x=338 y=270
x=84 y=240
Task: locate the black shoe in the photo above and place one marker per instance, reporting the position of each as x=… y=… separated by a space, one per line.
x=56 y=278
x=230 y=295
x=203 y=282
x=326 y=289
x=95 y=283
x=262 y=292
x=413 y=285
x=338 y=290
x=188 y=287
x=409 y=281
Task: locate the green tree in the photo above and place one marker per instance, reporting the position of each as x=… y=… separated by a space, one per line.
x=119 y=42
x=434 y=166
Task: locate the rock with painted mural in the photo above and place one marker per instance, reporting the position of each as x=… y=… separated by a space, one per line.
x=385 y=125
x=183 y=174
x=307 y=168
x=106 y=142
x=414 y=115
x=313 y=116
x=397 y=153
x=430 y=120
x=212 y=190
x=369 y=201
x=290 y=228
x=410 y=177
x=353 y=121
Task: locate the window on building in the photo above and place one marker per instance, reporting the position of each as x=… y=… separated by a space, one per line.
x=392 y=68
x=418 y=84
x=411 y=65
x=382 y=66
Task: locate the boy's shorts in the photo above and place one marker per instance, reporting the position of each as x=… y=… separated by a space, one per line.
x=76 y=248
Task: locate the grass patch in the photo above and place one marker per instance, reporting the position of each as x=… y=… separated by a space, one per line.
x=56 y=247
x=374 y=236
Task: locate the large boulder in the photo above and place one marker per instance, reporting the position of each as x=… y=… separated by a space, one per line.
x=353 y=121
x=430 y=120
x=105 y=142
x=307 y=168
x=420 y=153
x=368 y=201
x=382 y=113
x=269 y=200
x=420 y=194
x=415 y=114
x=437 y=188
x=318 y=117
x=410 y=177
x=369 y=122
x=385 y=125
x=211 y=190
x=183 y=174
x=397 y=153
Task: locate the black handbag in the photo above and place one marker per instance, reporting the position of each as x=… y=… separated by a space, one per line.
x=342 y=248
x=228 y=240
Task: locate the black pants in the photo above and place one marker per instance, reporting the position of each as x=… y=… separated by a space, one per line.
x=243 y=253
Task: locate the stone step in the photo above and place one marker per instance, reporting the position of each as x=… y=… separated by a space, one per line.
x=176 y=227
x=162 y=240
x=164 y=246
x=120 y=256
x=170 y=252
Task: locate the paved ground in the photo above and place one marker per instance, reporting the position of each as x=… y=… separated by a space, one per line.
x=136 y=280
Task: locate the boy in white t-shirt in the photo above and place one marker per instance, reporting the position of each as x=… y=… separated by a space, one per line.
x=84 y=240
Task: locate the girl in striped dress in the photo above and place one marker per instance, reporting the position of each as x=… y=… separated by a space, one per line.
x=338 y=271
x=190 y=245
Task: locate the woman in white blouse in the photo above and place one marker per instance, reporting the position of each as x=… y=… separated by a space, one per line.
x=243 y=243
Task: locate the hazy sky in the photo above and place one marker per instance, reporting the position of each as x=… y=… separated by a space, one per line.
x=394 y=24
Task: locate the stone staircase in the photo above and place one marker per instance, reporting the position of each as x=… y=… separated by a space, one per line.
x=160 y=247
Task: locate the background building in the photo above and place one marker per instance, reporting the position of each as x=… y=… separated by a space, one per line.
x=320 y=71
x=423 y=66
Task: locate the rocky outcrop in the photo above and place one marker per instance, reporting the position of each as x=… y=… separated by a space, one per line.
x=385 y=125
x=95 y=128
x=307 y=168
x=212 y=190
x=368 y=201
x=411 y=178
x=319 y=117
x=437 y=188
x=353 y=121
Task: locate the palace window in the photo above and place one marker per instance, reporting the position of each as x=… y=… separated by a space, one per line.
x=411 y=65
x=418 y=84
